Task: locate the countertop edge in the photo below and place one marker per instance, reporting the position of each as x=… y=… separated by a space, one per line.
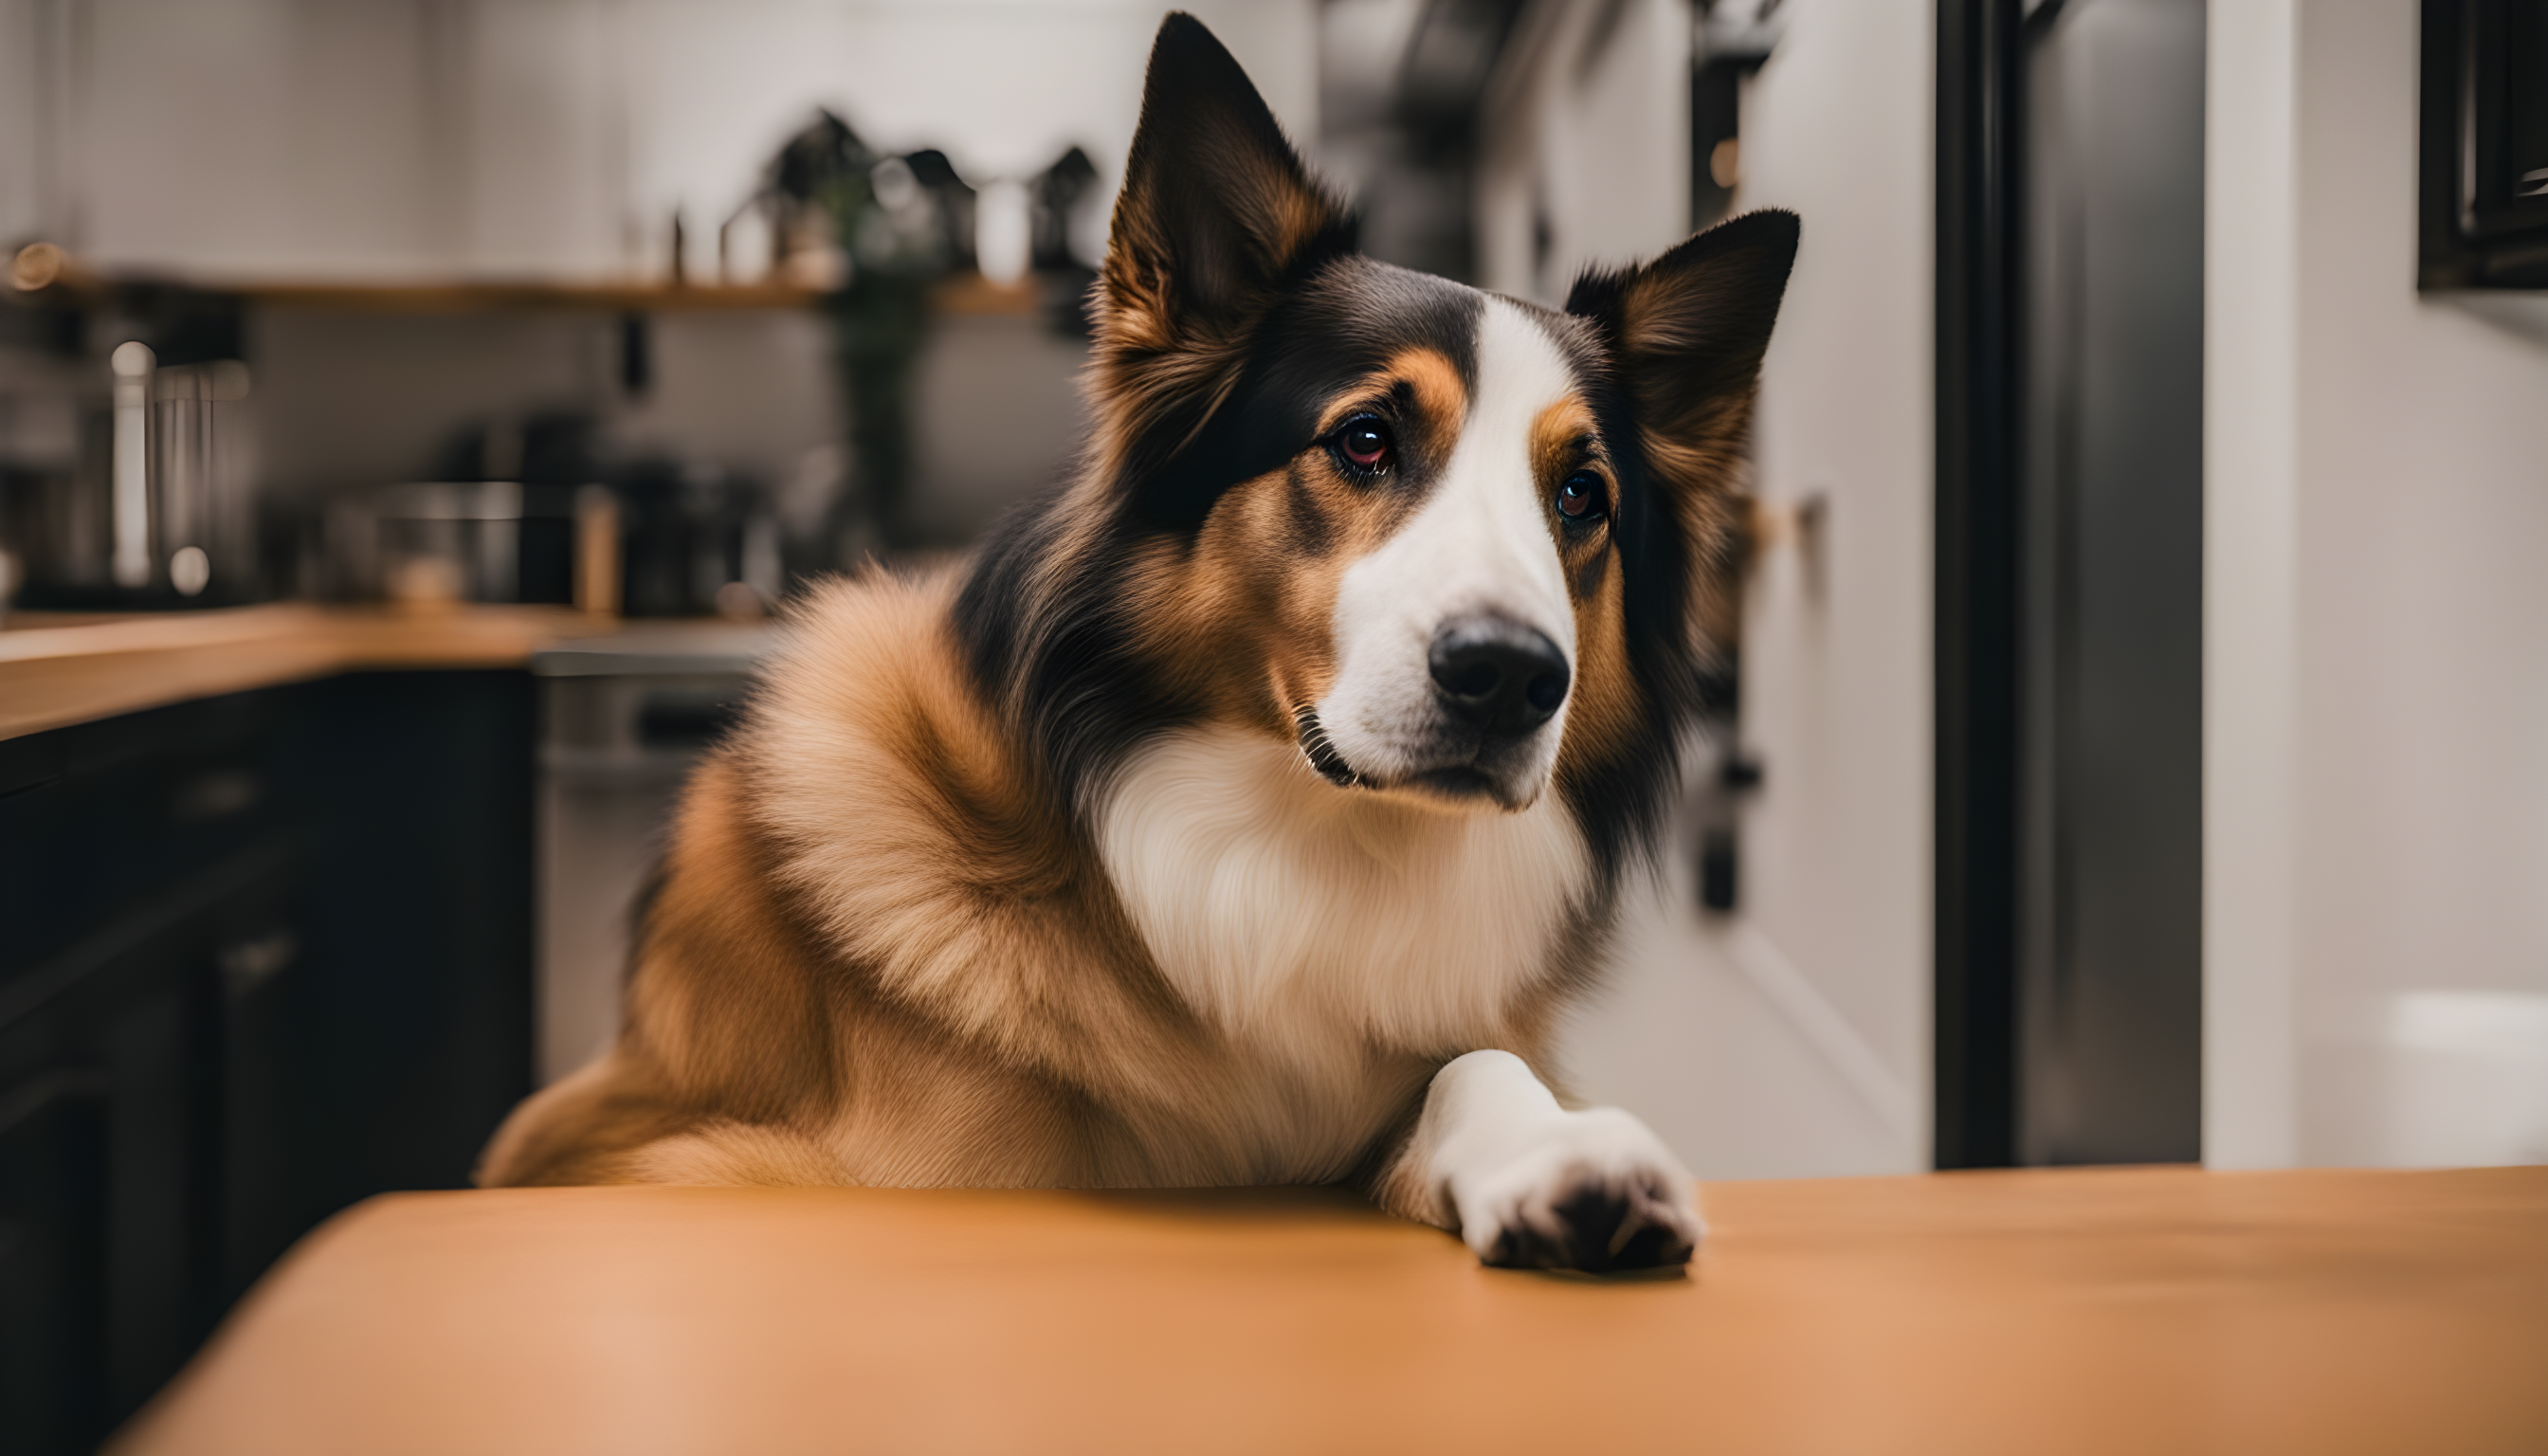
x=55 y=677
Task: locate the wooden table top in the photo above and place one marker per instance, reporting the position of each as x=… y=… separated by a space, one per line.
x=58 y=670
x=2139 y=1311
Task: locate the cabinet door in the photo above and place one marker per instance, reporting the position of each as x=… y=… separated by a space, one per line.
x=52 y=1262
x=264 y=956
x=106 y=1192
x=129 y=848
x=266 y=1093
x=414 y=990
x=157 y=1177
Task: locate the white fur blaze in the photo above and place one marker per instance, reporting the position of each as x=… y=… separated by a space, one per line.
x=1479 y=544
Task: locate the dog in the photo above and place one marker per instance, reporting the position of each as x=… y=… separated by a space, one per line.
x=1248 y=809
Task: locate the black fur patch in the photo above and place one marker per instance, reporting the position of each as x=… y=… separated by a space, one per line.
x=1338 y=326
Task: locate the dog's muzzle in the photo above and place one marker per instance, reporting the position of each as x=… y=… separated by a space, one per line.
x=1494 y=684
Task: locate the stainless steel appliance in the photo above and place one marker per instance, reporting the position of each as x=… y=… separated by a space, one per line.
x=623 y=720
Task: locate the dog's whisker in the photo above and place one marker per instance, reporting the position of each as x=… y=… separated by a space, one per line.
x=1321 y=750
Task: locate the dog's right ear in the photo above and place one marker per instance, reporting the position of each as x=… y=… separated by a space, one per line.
x=1216 y=219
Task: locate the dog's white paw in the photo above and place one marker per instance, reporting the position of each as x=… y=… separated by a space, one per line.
x=1584 y=1190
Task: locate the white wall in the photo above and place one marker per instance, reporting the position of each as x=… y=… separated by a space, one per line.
x=1837 y=642
x=396 y=137
x=2377 y=637
x=1791 y=1037
x=400 y=140
x=1585 y=127
x=27 y=186
x=349 y=400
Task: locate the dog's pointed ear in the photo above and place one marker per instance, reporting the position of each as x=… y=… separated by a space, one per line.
x=1217 y=218
x=1686 y=334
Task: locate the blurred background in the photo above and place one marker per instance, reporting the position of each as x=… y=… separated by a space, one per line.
x=2133 y=748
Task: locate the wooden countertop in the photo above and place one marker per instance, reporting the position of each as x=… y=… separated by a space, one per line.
x=61 y=671
x=2134 y=1310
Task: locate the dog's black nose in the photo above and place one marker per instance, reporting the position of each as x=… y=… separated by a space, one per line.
x=1498 y=674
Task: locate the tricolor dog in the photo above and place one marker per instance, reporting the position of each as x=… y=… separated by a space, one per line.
x=1248 y=810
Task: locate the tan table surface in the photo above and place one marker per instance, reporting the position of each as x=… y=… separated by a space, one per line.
x=55 y=672
x=2140 y=1310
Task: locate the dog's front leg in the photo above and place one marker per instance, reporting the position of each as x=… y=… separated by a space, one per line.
x=1528 y=1184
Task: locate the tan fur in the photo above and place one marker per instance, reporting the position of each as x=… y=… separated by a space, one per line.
x=1564 y=439
x=876 y=961
x=867 y=967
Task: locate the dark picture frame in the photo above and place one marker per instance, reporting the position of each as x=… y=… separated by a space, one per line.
x=2483 y=146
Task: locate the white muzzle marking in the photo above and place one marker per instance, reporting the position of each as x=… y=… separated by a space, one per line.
x=1480 y=546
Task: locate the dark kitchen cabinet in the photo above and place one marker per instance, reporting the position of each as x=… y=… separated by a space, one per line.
x=261 y=957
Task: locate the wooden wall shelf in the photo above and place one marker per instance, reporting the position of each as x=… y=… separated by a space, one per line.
x=964 y=293
x=489 y=297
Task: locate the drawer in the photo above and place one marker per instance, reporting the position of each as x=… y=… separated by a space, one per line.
x=98 y=820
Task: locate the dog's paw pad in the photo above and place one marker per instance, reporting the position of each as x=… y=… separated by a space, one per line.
x=1597 y=1192
x=1599 y=1230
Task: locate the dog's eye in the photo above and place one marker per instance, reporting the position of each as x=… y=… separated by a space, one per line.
x=1579 y=498
x=1364 y=444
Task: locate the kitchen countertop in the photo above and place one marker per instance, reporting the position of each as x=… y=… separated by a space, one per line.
x=58 y=670
x=2125 y=1311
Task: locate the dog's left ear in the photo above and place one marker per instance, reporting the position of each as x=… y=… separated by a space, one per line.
x=1686 y=334
x=1217 y=219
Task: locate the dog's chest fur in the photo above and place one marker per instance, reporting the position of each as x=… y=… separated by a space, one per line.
x=1311 y=926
